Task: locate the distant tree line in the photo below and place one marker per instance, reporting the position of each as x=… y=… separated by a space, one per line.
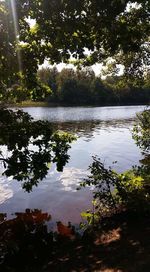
x=79 y=87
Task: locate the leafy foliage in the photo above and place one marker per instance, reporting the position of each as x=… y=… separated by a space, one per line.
x=81 y=86
x=113 y=191
x=141 y=131
x=117 y=29
x=105 y=28
x=23 y=239
x=141 y=134
x=108 y=29
x=31 y=147
x=131 y=189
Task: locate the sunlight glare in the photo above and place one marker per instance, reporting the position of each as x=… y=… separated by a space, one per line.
x=16 y=29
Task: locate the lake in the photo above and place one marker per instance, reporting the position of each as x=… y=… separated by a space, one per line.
x=102 y=131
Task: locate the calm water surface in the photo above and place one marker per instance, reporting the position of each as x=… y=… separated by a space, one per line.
x=102 y=131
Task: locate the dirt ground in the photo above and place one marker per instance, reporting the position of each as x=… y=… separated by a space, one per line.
x=122 y=246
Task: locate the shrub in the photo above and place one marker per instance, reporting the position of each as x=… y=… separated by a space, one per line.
x=114 y=191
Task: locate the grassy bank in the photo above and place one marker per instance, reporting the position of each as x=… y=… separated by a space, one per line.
x=30 y=103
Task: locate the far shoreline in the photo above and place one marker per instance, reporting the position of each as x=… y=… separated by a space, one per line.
x=28 y=104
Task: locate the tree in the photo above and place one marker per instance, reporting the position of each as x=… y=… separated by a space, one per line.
x=48 y=76
x=7 y=49
x=31 y=147
x=117 y=29
x=131 y=189
x=18 y=131
x=141 y=132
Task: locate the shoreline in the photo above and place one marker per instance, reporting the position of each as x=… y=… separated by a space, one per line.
x=52 y=105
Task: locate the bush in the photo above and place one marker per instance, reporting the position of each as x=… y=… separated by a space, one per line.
x=114 y=191
x=141 y=131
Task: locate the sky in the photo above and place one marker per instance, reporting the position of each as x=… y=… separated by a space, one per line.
x=96 y=67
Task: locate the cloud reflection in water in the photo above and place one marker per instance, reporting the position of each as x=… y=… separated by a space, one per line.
x=71 y=177
x=5 y=191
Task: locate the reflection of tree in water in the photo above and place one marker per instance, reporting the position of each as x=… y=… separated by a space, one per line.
x=87 y=128
x=26 y=245
x=31 y=147
x=26 y=239
x=23 y=238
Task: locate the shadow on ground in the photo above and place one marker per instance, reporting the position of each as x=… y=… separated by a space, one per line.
x=121 y=243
